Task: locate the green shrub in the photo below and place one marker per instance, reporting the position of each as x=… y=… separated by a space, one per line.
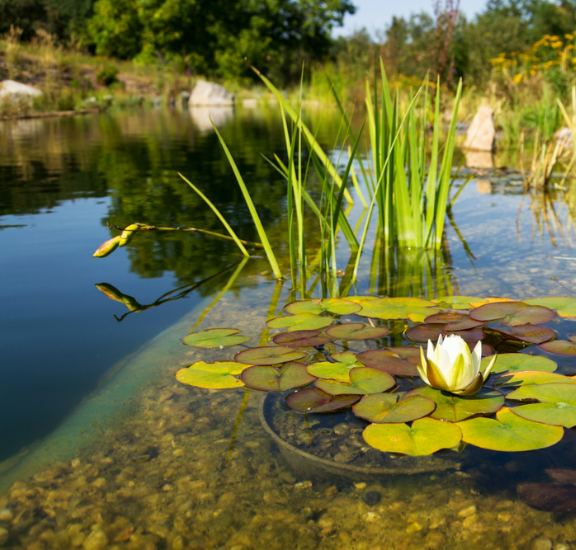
x=107 y=75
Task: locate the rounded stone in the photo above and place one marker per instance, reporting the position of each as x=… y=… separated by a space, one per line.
x=371 y=497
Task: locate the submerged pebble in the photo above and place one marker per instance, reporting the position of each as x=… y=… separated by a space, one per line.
x=371 y=497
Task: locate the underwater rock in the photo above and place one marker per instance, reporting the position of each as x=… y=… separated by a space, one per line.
x=371 y=497
x=471 y=510
x=566 y=477
x=4 y=535
x=542 y=544
x=97 y=540
x=548 y=497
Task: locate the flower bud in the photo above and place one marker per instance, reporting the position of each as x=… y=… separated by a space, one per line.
x=107 y=248
x=128 y=233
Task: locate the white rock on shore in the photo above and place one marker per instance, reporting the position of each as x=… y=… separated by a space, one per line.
x=13 y=90
x=481 y=134
x=208 y=94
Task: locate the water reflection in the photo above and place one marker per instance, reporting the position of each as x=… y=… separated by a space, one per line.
x=203 y=117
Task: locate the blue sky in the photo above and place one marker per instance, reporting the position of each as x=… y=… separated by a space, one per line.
x=377 y=14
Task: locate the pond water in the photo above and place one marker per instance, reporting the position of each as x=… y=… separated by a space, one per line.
x=102 y=448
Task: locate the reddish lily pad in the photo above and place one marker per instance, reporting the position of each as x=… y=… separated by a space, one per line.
x=513 y=313
x=387 y=361
x=302 y=321
x=301 y=339
x=356 y=331
x=548 y=497
x=411 y=354
x=289 y=376
x=532 y=334
x=424 y=437
x=396 y=308
x=363 y=381
x=384 y=408
x=454 y=408
x=531 y=377
x=313 y=400
x=332 y=371
x=509 y=433
x=453 y=321
x=560 y=347
x=516 y=362
x=564 y=305
x=219 y=375
x=215 y=338
x=338 y=306
x=423 y=333
x=269 y=355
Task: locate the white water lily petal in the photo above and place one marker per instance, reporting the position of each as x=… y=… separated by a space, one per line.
x=487 y=370
x=477 y=357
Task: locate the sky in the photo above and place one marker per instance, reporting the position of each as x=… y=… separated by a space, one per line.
x=377 y=14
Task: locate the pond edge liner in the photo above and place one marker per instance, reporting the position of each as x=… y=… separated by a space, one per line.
x=115 y=396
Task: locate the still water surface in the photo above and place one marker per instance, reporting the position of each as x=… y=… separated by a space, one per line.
x=120 y=455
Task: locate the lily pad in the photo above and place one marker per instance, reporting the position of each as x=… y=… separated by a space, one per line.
x=411 y=354
x=384 y=408
x=338 y=306
x=313 y=400
x=356 y=331
x=564 y=305
x=516 y=362
x=453 y=321
x=554 y=414
x=348 y=358
x=396 y=308
x=454 y=408
x=532 y=377
x=548 y=497
x=564 y=394
x=215 y=338
x=424 y=437
x=301 y=339
x=269 y=355
x=460 y=302
x=332 y=371
x=219 y=375
x=513 y=313
x=559 y=347
x=423 y=333
x=363 y=381
x=387 y=361
x=289 y=376
x=532 y=334
x=302 y=321
x=509 y=433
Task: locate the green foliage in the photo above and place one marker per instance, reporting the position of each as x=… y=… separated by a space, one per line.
x=107 y=75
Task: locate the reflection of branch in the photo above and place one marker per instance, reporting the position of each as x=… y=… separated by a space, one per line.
x=464 y=243
x=135 y=307
x=145 y=227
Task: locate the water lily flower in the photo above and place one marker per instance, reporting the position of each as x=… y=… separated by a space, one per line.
x=450 y=366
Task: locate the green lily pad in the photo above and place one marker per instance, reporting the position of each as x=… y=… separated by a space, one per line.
x=332 y=371
x=219 y=375
x=559 y=347
x=348 y=358
x=338 y=306
x=269 y=355
x=363 y=381
x=424 y=437
x=302 y=321
x=454 y=408
x=396 y=308
x=313 y=400
x=459 y=302
x=533 y=334
x=215 y=338
x=531 y=377
x=384 y=408
x=513 y=313
x=553 y=414
x=564 y=305
x=387 y=361
x=301 y=339
x=360 y=299
x=509 y=433
x=356 y=331
x=289 y=376
x=516 y=362
x=546 y=393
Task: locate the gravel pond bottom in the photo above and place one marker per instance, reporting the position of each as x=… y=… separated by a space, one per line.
x=170 y=473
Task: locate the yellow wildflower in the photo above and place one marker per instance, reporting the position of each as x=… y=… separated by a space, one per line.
x=569 y=36
x=556 y=44
x=517 y=78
